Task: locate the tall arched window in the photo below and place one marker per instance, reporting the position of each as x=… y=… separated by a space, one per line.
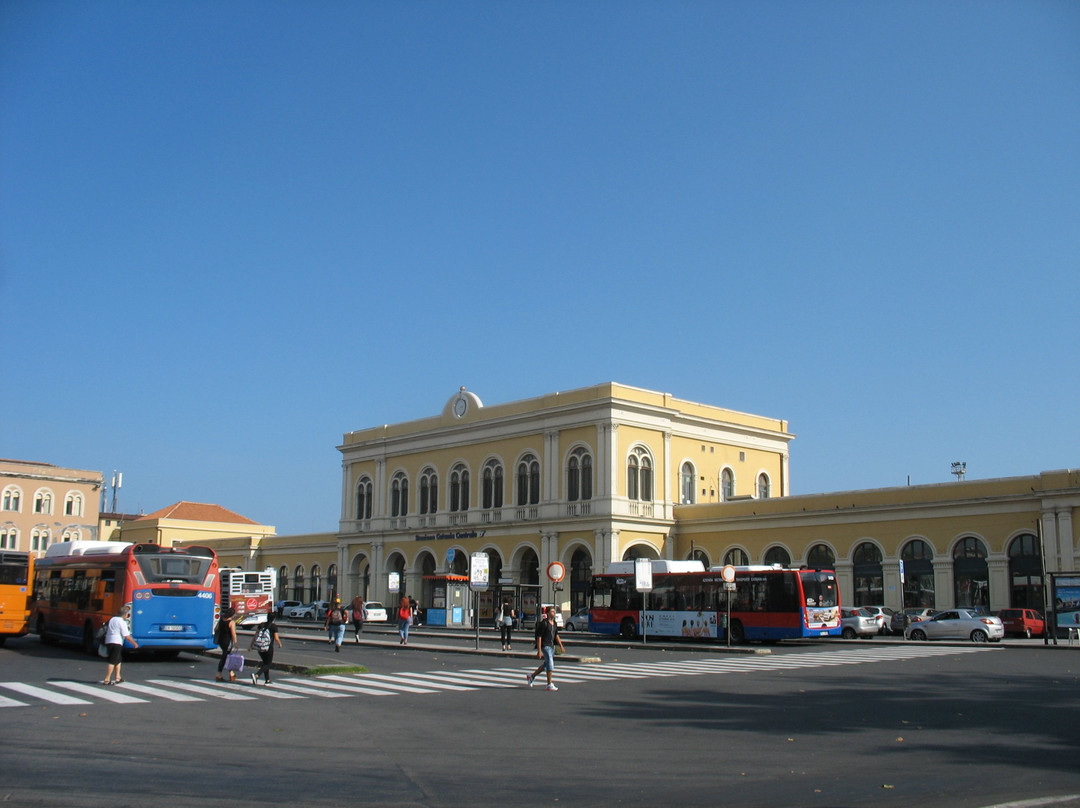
x=43 y=501
x=580 y=575
x=688 y=483
x=1025 y=573
x=316 y=582
x=763 y=489
x=399 y=495
x=12 y=498
x=39 y=539
x=918 y=558
x=493 y=485
x=363 y=498
x=298 y=583
x=283 y=581
x=579 y=475
x=866 y=568
x=429 y=491
x=971 y=577
x=9 y=538
x=528 y=480
x=639 y=475
x=331 y=582
x=778 y=555
x=727 y=484
x=459 y=488
x=737 y=557
x=73 y=504
x=821 y=557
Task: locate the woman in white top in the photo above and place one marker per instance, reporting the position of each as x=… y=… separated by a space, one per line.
x=116 y=631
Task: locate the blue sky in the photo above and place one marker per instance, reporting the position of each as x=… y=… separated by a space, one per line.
x=231 y=232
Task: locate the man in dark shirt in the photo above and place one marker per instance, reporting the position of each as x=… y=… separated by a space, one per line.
x=547 y=634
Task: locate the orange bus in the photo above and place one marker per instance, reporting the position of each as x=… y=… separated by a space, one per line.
x=16 y=572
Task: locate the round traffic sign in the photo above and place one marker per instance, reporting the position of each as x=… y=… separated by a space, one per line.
x=728 y=573
x=556 y=571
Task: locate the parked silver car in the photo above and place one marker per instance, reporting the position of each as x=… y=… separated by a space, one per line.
x=901 y=620
x=883 y=615
x=857 y=623
x=579 y=620
x=957 y=624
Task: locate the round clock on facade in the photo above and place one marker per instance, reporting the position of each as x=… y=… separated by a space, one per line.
x=461 y=404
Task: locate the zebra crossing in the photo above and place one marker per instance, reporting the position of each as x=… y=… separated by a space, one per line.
x=178 y=689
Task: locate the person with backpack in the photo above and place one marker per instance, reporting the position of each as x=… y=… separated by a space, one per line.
x=263 y=642
x=335 y=625
x=357 y=617
x=225 y=637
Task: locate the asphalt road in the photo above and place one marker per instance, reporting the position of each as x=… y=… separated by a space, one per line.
x=836 y=725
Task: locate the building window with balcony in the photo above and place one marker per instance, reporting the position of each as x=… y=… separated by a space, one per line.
x=459 y=488
x=493 y=485
x=579 y=475
x=43 y=501
x=528 y=480
x=687 y=483
x=363 y=498
x=12 y=498
x=639 y=475
x=399 y=495
x=429 y=491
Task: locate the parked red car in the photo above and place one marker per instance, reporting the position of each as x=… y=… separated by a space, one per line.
x=1022 y=622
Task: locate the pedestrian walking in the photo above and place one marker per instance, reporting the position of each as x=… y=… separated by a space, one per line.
x=225 y=637
x=547 y=635
x=116 y=631
x=357 y=607
x=404 y=621
x=335 y=625
x=263 y=642
x=505 y=619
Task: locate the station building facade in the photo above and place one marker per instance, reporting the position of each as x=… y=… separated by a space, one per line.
x=41 y=503
x=611 y=472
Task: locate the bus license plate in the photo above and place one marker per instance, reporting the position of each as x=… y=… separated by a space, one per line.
x=172 y=628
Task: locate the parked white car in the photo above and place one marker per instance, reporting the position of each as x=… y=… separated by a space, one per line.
x=374 y=612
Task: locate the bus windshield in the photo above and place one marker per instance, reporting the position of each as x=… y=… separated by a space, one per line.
x=173 y=567
x=819 y=589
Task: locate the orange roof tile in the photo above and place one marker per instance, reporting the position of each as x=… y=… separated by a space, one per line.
x=198 y=512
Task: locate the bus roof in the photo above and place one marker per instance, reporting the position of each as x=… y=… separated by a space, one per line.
x=80 y=548
x=659 y=565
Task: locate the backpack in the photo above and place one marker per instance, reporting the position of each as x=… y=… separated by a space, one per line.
x=262 y=639
x=336 y=617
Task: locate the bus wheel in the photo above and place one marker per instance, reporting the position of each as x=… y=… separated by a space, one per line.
x=628 y=628
x=737 y=633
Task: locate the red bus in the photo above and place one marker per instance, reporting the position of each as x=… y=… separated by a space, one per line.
x=173 y=594
x=16 y=572
x=768 y=603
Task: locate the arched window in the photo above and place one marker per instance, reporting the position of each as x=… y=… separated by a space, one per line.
x=688 y=483
x=459 y=488
x=971 y=577
x=699 y=555
x=43 y=501
x=73 y=504
x=639 y=475
x=727 y=484
x=579 y=475
x=399 y=495
x=493 y=485
x=283 y=581
x=363 y=498
x=866 y=568
x=763 y=489
x=821 y=557
x=316 y=582
x=918 y=558
x=580 y=575
x=429 y=491
x=12 y=498
x=331 y=582
x=9 y=538
x=777 y=555
x=71 y=534
x=1025 y=573
x=736 y=557
x=298 y=583
x=39 y=539
x=528 y=480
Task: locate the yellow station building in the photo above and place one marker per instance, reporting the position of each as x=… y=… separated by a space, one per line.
x=611 y=472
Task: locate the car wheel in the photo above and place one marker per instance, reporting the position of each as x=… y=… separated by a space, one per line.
x=978 y=636
x=918 y=635
x=569 y=626
x=848 y=633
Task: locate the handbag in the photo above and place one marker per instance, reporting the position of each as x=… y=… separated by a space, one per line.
x=234 y=662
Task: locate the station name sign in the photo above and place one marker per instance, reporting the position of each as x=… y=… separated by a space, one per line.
x=459 y=534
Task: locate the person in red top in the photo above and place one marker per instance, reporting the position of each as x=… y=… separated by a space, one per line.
x=404 y=620
x=357 y=607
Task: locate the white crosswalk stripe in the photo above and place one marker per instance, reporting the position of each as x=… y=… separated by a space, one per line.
x=337 y=686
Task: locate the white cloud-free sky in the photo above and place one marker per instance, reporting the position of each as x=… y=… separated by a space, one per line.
x=231 y=232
